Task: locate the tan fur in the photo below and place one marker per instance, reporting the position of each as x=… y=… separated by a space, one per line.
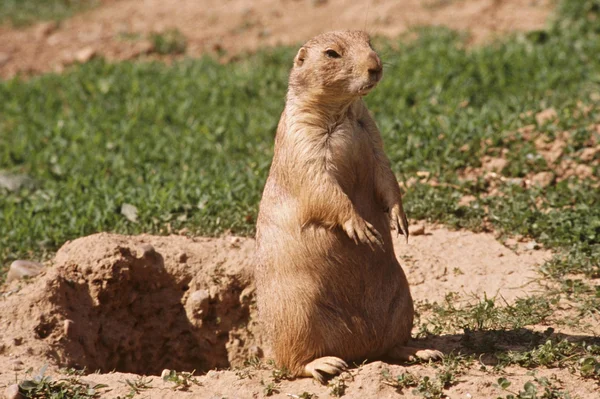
x=329 y=286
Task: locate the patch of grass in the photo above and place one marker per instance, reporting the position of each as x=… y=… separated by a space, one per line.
x=580 y=357
x=24 y=12
x=189 y=145
x=454 y=315
x=430 y=387
x=531 y=390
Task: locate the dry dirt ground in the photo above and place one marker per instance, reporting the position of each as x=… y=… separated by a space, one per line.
x=140 y=304
x=120 y=29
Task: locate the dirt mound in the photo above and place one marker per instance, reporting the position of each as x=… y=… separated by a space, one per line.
x=122 y=29
x=137 y=304
x=142 y=304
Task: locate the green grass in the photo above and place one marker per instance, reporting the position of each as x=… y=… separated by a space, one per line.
x=24 y=12
x=189 y=145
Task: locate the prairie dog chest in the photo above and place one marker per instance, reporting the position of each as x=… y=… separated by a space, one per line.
x=350 y=151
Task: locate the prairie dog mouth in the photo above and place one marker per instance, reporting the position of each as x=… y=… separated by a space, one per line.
x=365 y=89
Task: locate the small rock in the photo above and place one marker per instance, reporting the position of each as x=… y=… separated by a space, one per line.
x=145 y=250
x=586 y=155
x=4 y=58
x=130 y=212
x=23 y=268
x=17 y=365
x=12 y=392
x=247 y=294
x=197 y=304
x=417 y=230
x=545 y=116
x=68 y=327
x=234 y=241
x=14 y=182
x=85 y=54
x=182 y=257
x=532 y=245
x=212 y=374
x=466 y=200
x=543 y=179
x=165 y=373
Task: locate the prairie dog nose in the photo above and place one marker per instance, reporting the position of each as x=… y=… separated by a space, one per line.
x=374 y=66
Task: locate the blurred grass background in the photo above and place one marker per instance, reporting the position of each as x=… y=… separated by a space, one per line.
x=189 y=145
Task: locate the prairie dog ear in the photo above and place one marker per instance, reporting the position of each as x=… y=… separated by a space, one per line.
x=299 y=60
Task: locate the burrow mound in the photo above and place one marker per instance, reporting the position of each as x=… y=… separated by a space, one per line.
x=138 y=304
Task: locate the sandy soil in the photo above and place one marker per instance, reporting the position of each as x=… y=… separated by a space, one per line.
x=135 y=305
x=120 y=29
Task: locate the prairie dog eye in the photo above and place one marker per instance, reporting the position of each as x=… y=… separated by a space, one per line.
x=332 y=53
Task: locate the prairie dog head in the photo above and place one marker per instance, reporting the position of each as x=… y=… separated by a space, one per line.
x=338 y=65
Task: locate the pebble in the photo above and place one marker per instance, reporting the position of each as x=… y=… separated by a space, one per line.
x=12 y=392
x=23 y=268
x=13 y=182
x=543 y=179
x=68 y=327
x=145 y=250
x=18 y=365
x=247 y=294
x=130 y=212
x=532 y=245
x=198 y=303
x=85 y=54
x=417 y=230
x=165 y=373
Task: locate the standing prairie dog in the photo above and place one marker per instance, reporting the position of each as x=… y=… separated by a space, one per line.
x=329 y=287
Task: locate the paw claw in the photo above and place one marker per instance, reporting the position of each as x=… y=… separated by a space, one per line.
x=329 y=365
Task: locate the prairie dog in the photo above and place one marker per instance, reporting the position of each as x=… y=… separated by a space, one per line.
x=329 y=287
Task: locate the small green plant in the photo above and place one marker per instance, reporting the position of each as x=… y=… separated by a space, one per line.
x=281 y=373
x=169 y=42
x=137 y=386
x=337 y=386
x=531 y=391
x=399 y=382
x=429 y=388
x=42 y=386
x=183 y=380
x=270 y=388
